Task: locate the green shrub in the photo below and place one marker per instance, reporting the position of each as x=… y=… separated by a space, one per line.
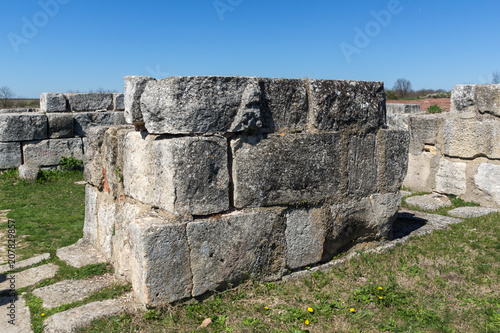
x=434 y=109
x=71 y=164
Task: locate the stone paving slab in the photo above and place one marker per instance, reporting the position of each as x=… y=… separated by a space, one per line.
x=429 y=201
x=18 y=312
x=80 y=254
x=73 y=319
x=25 y=263
x=28 y=277
x=70 y=291
x=465 y=212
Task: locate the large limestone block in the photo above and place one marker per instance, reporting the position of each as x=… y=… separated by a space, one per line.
x=451 y=177
x=90 y=226
x=10 y=155
x=338 y=104
x=487 y=98
x=236 y=247
x=134 y=87
x=50 y=152
x=160 y=261
x=362 y=165
x=286 y=169
x=187 y=175
x=487 y=180
x=23 y=126
x=60 y=125
x=90 y=101
x=86 y=120
x=425 y=130
x=52 y=102
x=118 y=102
x=421 y=172
x=470 y=138
x=462 y=98
x=392 y=157
x=106 y=218
x=398 y=120
x=93 y=163
x=201 y=104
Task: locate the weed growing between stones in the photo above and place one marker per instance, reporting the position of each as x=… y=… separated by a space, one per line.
x=435 y=109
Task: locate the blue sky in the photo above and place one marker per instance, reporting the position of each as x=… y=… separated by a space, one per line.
x=61 y=45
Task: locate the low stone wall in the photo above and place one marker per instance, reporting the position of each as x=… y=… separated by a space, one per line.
x=223 y=179
x=459 y=152
x=40 y=137
x=398 y=114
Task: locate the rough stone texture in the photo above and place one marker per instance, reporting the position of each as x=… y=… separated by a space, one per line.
x=73 y=319
x=119 y=102
x=90 y=101
x=93 y=166
x=422 y=171
x=395 y=108
x=106 y=218
x=236 y=247
x=19 y=110
x=487 y=180
x=80 y=254
x=361 y=165
x=25 y=263
x=487 y=98
x=10 y=155
x=49 y=152
x=392 y=157
x=21 y=315
x=23 y=127
x=186 y=175
x=337 y=104
x=90 y=231
x=160 y=264
x=462 y=98
x=86 y=120
x=465 y=212
x=30 y=276
x=469 y=138
x=425 y=130
x=60 y=125
x=398 y=120
x=385 y=207
x=134 y=87
x=285 y=169
x=429 y=201
x=28 y=171
x=70 y=291
x=52 y=102
x=451 y=177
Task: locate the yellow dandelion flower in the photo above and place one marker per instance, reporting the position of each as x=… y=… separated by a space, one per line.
x=352 y=310
x=43 y=314
x=380 y=297
x=380 y=288
x=306 y=322
x=282 y=134
x=266 y=307
x=310 y=309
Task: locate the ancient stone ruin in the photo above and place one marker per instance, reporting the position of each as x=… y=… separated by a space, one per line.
x=224 y=179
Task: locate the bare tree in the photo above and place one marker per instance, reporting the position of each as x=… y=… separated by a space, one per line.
x=402 y=87
x=5 y=94
x=496 y=77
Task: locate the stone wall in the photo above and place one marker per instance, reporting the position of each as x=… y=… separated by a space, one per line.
x=459 y=152
x=399 y=114
x=222 y=179
x=40 y=137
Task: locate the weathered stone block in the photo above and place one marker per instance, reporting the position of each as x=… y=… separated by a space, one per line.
x=425 y=130
x=19 y=110
x=236 y=247
x=362 y=165
x=462 y=98
x=451 y=178
x=487 y=180
x=160 y=261
x=396 y=108
x=10 y=155
x=60 y=125
x=53 y=102
x=90 y=101
x=385 y=207
x=106 y=218
x=469 y=138
x=93 y=164
x=398 y=120
x=287 y=169
x=487 y=98
x=23 y=127
x=119 y=102
x=339 y=104
x=86 y=120
x=90 y=226
x=392 y=157
x=421 y=172
x=49 y=152
x=28 y=172
x=186 y=175
x=134 y=87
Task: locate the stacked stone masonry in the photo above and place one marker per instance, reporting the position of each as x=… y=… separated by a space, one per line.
x=40 y=137
x=458 y=152
x=223 y=179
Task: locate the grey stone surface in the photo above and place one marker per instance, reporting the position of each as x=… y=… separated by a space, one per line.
x=186 y=175
x=19 y=313
x=451 y=177
x=385 y=207
x=49 y=152
x=134 y=87
x=236 y=247
x=462 y=98
x=362 y=165
x=119 y=101
x=285 y=169
x=392 y=157
x=90 y=101
x=80 y=254
x=93 y=164
x=29 y=277
x=86 y=120
x=23 y=126
x=396 y=108
x=424 y=130
x=398 y=120
x=73 y=319
x=160 y=264
x=69 y=291
x=106 y=218
x=338 y=104
x=60 y=125
x=19 y=110
x=28 y=171
x=53 y=102
x=429 y=201
x=487 y=180
x=465 y=212
x=25 y=263
x=10 y=155
x=487 y=98
x=90 y=233
x=422 y=172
